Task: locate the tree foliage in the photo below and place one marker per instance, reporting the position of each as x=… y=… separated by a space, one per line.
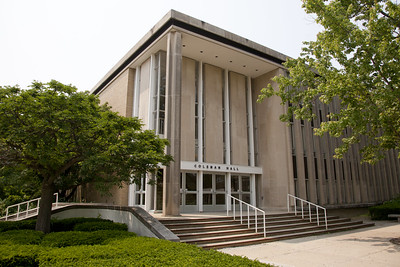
x=354 y=60
x=66 y=138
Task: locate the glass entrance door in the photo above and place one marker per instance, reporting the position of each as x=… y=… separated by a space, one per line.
x=189 y=192
x=240 y=187
x=214 y=190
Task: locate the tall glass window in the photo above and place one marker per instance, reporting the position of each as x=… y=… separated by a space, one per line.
x=159 y=94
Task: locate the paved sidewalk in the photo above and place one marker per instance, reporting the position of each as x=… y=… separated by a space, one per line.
x=364 y=247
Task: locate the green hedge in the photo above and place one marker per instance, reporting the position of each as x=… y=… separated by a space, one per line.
x=21 y=237
x=69 y=224
x=17 y=225
x=381 y=212
x=19 y=255
x=75 y=238
x=140 y=251
x=102 y=225
x=124 y=250
x=63 y=225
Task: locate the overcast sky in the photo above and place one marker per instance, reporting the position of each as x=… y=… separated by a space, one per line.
x=78 y=41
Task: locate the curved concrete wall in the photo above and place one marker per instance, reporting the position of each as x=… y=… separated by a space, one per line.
x=137 y=219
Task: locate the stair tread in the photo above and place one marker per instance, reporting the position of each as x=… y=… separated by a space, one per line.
x=275 y=233
x=231 y=243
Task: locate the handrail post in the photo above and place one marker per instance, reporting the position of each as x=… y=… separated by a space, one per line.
x=241 y=203
x=302 y=209
x=248 y=216
x=241 y=212
x=309 y=210
x=27 y=209
x=227 y=206
x=288 y=210
x=255 y=219
x=234 y=209
x=265 y=233
x=326 y=221
x=18 y=212
x=56 y=200
x=7 y=213
x=295 y=207
x=317 y=217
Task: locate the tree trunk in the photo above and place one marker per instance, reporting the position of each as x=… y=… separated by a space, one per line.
x=44 y=216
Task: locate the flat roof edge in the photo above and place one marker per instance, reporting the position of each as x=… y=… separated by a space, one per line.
x=175 y=18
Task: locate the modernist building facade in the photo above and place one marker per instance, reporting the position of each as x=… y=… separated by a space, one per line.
x=197 y=85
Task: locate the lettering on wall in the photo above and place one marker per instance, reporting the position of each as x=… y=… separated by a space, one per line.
x=215 y=167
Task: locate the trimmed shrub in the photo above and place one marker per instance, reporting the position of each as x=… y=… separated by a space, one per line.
x=19 y=255
x=69 y=224
x=103 y=225
x=21 y=237
x=381 y=212
x=141 y=251
x=75 y=238
x=17 y=225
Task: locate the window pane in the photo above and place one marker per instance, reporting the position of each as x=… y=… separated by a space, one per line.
x=207 y=182
x=207 y=199
x=220 y=182
x=246 y=198
x=245 y=184
x=191 y=181
x=235 y=183
x=191 y=199
x=220 y=199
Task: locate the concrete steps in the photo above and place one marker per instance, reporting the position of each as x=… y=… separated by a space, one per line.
x=221 y=232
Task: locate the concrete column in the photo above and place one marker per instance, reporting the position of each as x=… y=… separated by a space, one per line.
x=173 y=122
x=309 y=151
x=200 y=191
x=136 y=93
x=227 y=119
x=149 y=195
x=200 y=114
x=253 y=190
x=228 y=191
x=301 y=180
x=135 y=113
x=251 y=123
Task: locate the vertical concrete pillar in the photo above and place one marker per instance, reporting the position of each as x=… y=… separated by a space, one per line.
x=200 y=191
x=228 y=191
x=173 y=122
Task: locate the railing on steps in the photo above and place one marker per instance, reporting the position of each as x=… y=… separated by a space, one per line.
x=34 y=203
x=302 y=201
x=241 y=203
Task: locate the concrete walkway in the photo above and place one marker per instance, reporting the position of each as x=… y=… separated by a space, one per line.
x=365 y=247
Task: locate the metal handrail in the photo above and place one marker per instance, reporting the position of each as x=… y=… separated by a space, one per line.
x=27 y=203
x=309 y=208
x=248 y=213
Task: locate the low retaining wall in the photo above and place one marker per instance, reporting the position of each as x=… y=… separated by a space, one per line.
x=137 y=219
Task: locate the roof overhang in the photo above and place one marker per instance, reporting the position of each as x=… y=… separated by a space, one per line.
x=200 y=41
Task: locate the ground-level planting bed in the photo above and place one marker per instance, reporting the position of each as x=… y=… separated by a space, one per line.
x=93 y=246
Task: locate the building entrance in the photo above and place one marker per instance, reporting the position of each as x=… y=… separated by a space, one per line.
x=189 y=192
x=214 y=190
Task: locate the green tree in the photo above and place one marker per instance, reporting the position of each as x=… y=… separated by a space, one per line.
x=66 y=138
x=356 y=61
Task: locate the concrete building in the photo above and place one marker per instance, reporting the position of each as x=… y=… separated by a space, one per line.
x=197 y=85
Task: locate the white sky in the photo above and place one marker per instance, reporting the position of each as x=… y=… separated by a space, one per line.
x=78 y=41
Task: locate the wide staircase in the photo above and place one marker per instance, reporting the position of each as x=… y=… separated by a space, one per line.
x=230 y=231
